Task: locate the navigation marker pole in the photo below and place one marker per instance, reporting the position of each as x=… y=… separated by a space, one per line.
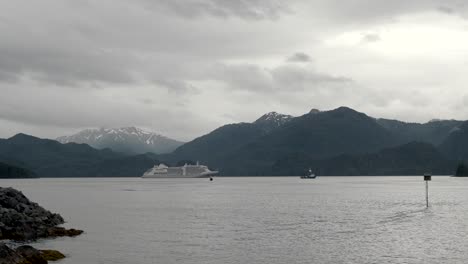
x=427 y=178
x=427 y=194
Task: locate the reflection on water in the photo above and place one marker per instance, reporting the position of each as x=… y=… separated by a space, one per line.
x=257 y=220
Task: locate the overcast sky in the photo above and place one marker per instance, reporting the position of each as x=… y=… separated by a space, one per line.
x=185 y=67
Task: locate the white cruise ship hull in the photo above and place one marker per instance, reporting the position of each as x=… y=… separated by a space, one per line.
x=213 y=173
x=186 y=171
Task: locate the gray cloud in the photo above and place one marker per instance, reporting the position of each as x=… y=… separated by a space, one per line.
x=247 y=9
x=58 y=58
x=7 y=76
x=127 y=44
x=445 y=9
x=299 y=57
x=303 y=77
x=284 y=77
x=147 y=101
x=369 y=38
x=64 y=67
x=72 y=64
x=177 y=86
x=73 y=109
x=243 y=76
x=351 y=14
x=118 y=47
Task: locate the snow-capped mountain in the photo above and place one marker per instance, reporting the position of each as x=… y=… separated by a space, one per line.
x=272 y=120
x=129 y=140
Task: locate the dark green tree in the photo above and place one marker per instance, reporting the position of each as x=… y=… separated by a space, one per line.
x=462 y=170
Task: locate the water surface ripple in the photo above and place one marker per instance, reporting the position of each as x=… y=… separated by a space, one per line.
x=257 y=220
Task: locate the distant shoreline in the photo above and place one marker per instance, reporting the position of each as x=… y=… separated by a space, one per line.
x=296 y=176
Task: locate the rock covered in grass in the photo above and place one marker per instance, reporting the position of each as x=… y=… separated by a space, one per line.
x=52 y=255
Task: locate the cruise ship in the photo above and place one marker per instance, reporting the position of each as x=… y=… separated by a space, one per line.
x=186 y=171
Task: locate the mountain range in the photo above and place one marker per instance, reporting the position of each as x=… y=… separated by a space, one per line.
x=129 y=140
x=434 y=132
x=336 y=142
x=49 y=158
x=321 y=139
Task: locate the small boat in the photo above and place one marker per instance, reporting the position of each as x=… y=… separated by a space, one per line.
x=310 y=175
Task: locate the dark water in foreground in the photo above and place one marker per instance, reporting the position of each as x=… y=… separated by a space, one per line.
x=257 y=220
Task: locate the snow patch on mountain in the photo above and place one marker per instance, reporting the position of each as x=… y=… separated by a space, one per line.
x=130 y=140
x=272 y=120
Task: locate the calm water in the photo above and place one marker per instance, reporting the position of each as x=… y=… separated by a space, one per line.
x=257 y=220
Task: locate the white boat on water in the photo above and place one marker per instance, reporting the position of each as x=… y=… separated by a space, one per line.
x=186 y=171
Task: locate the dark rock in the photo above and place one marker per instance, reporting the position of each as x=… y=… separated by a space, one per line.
x=10 y=256
x=31 y=255
x=60 y=232
x=27 y=255
x=21 y=219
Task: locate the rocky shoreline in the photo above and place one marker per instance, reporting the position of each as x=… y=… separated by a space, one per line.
x=27 y=255
x=23 y=220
